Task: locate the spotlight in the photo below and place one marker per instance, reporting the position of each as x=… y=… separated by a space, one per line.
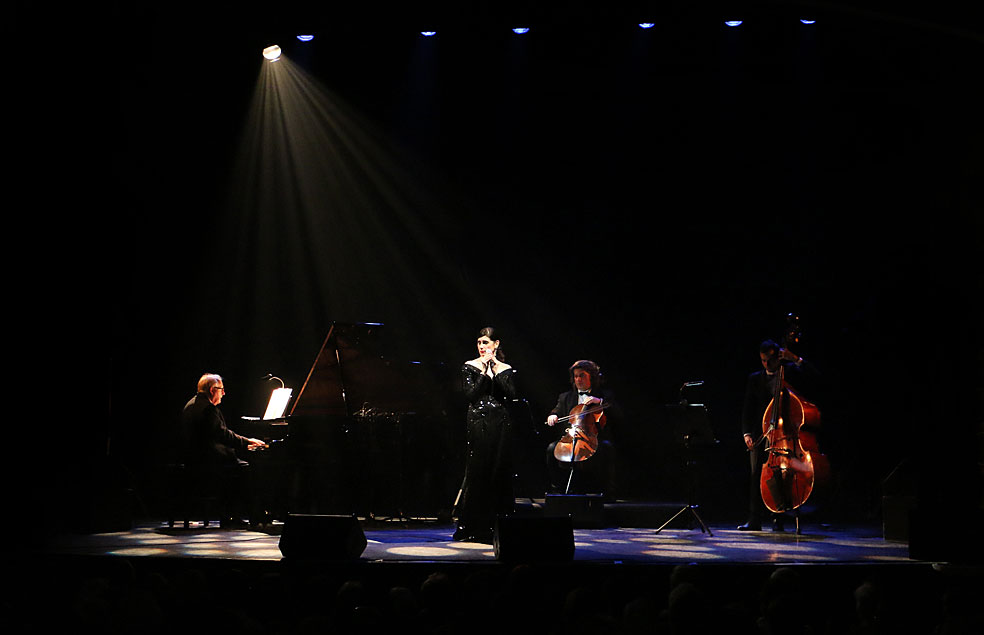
x=646 y=25
x=272 y=53
x=428 y=33
x=808 y=21
x=733 y=22
x=521 y=30
x=305 y=38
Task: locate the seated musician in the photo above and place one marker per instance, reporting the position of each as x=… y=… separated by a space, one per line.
x=211 y=449
x=597 y=473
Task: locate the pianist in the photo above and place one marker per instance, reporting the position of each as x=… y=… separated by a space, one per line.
x=211 y=448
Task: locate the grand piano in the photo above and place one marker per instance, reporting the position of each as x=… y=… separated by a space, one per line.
x=365 y=435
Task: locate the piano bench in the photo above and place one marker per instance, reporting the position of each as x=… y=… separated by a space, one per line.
x=184 y=497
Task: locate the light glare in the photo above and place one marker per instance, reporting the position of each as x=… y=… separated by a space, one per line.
x=428 y=33
x=305 y=38
x=733 y=22
x=520 y=30
x=272 y=53
x=647 y=25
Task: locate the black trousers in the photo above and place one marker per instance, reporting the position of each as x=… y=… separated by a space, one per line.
x=596 y=475
x=232 y=486
x=757 y=510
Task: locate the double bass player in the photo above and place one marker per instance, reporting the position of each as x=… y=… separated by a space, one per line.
x=759 y=389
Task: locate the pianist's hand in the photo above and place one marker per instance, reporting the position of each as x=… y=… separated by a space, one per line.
x=256 y=444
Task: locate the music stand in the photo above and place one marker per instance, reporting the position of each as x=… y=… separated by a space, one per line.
x=690 y=425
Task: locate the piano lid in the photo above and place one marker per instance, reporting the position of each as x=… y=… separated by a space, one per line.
x=349 y=376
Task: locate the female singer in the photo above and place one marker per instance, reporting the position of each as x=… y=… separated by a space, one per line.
x=486 y=490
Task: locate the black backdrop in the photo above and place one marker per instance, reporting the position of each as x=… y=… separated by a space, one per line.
x=698 y=192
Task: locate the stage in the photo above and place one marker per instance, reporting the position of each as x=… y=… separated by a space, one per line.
x=398 y=541
x=412 y=576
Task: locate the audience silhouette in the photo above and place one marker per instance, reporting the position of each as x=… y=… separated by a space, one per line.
x=117 y=595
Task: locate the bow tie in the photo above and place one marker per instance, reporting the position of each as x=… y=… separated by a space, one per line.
x=584 y=392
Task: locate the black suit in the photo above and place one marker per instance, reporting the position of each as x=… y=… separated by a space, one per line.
x=596 y=474
x=210 y=453
x=207 y=439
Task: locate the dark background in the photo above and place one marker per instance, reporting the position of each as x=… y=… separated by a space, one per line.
x=697 y=182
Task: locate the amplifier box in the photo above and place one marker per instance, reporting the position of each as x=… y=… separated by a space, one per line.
x=585 y=510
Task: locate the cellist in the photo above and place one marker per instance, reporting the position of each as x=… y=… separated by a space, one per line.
x=801 y=376
x=596 y=474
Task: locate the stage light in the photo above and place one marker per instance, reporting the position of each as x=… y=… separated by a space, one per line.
x=521 y=30
x=305 y=38
x=646 y=25
x=733 y=22
x=808 y=21
x=272 y=53
x=428 y=33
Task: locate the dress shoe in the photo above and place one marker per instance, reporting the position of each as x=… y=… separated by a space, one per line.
x=750 y=526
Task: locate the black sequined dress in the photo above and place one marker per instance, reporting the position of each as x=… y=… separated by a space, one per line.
x=486 y=490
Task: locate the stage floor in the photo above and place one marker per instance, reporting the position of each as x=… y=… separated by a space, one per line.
x=634 y=568
x=431 y=542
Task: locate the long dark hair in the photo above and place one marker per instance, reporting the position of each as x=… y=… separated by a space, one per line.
x=590 y=368
x=489 y=332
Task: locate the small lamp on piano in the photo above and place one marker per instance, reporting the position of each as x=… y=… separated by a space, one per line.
x=278 y=400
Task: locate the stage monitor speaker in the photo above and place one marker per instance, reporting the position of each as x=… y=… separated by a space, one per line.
x=586 y=510
x=933 y=538
x=534 y=539
x=318 y=537
x=895 y=516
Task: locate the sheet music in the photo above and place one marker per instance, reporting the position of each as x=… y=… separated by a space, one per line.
x=278 y=403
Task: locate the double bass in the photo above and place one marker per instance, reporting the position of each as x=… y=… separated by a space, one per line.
x=789 y=426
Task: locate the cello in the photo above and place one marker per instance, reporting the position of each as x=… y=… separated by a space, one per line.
x=793 y=455
x=580 y=440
